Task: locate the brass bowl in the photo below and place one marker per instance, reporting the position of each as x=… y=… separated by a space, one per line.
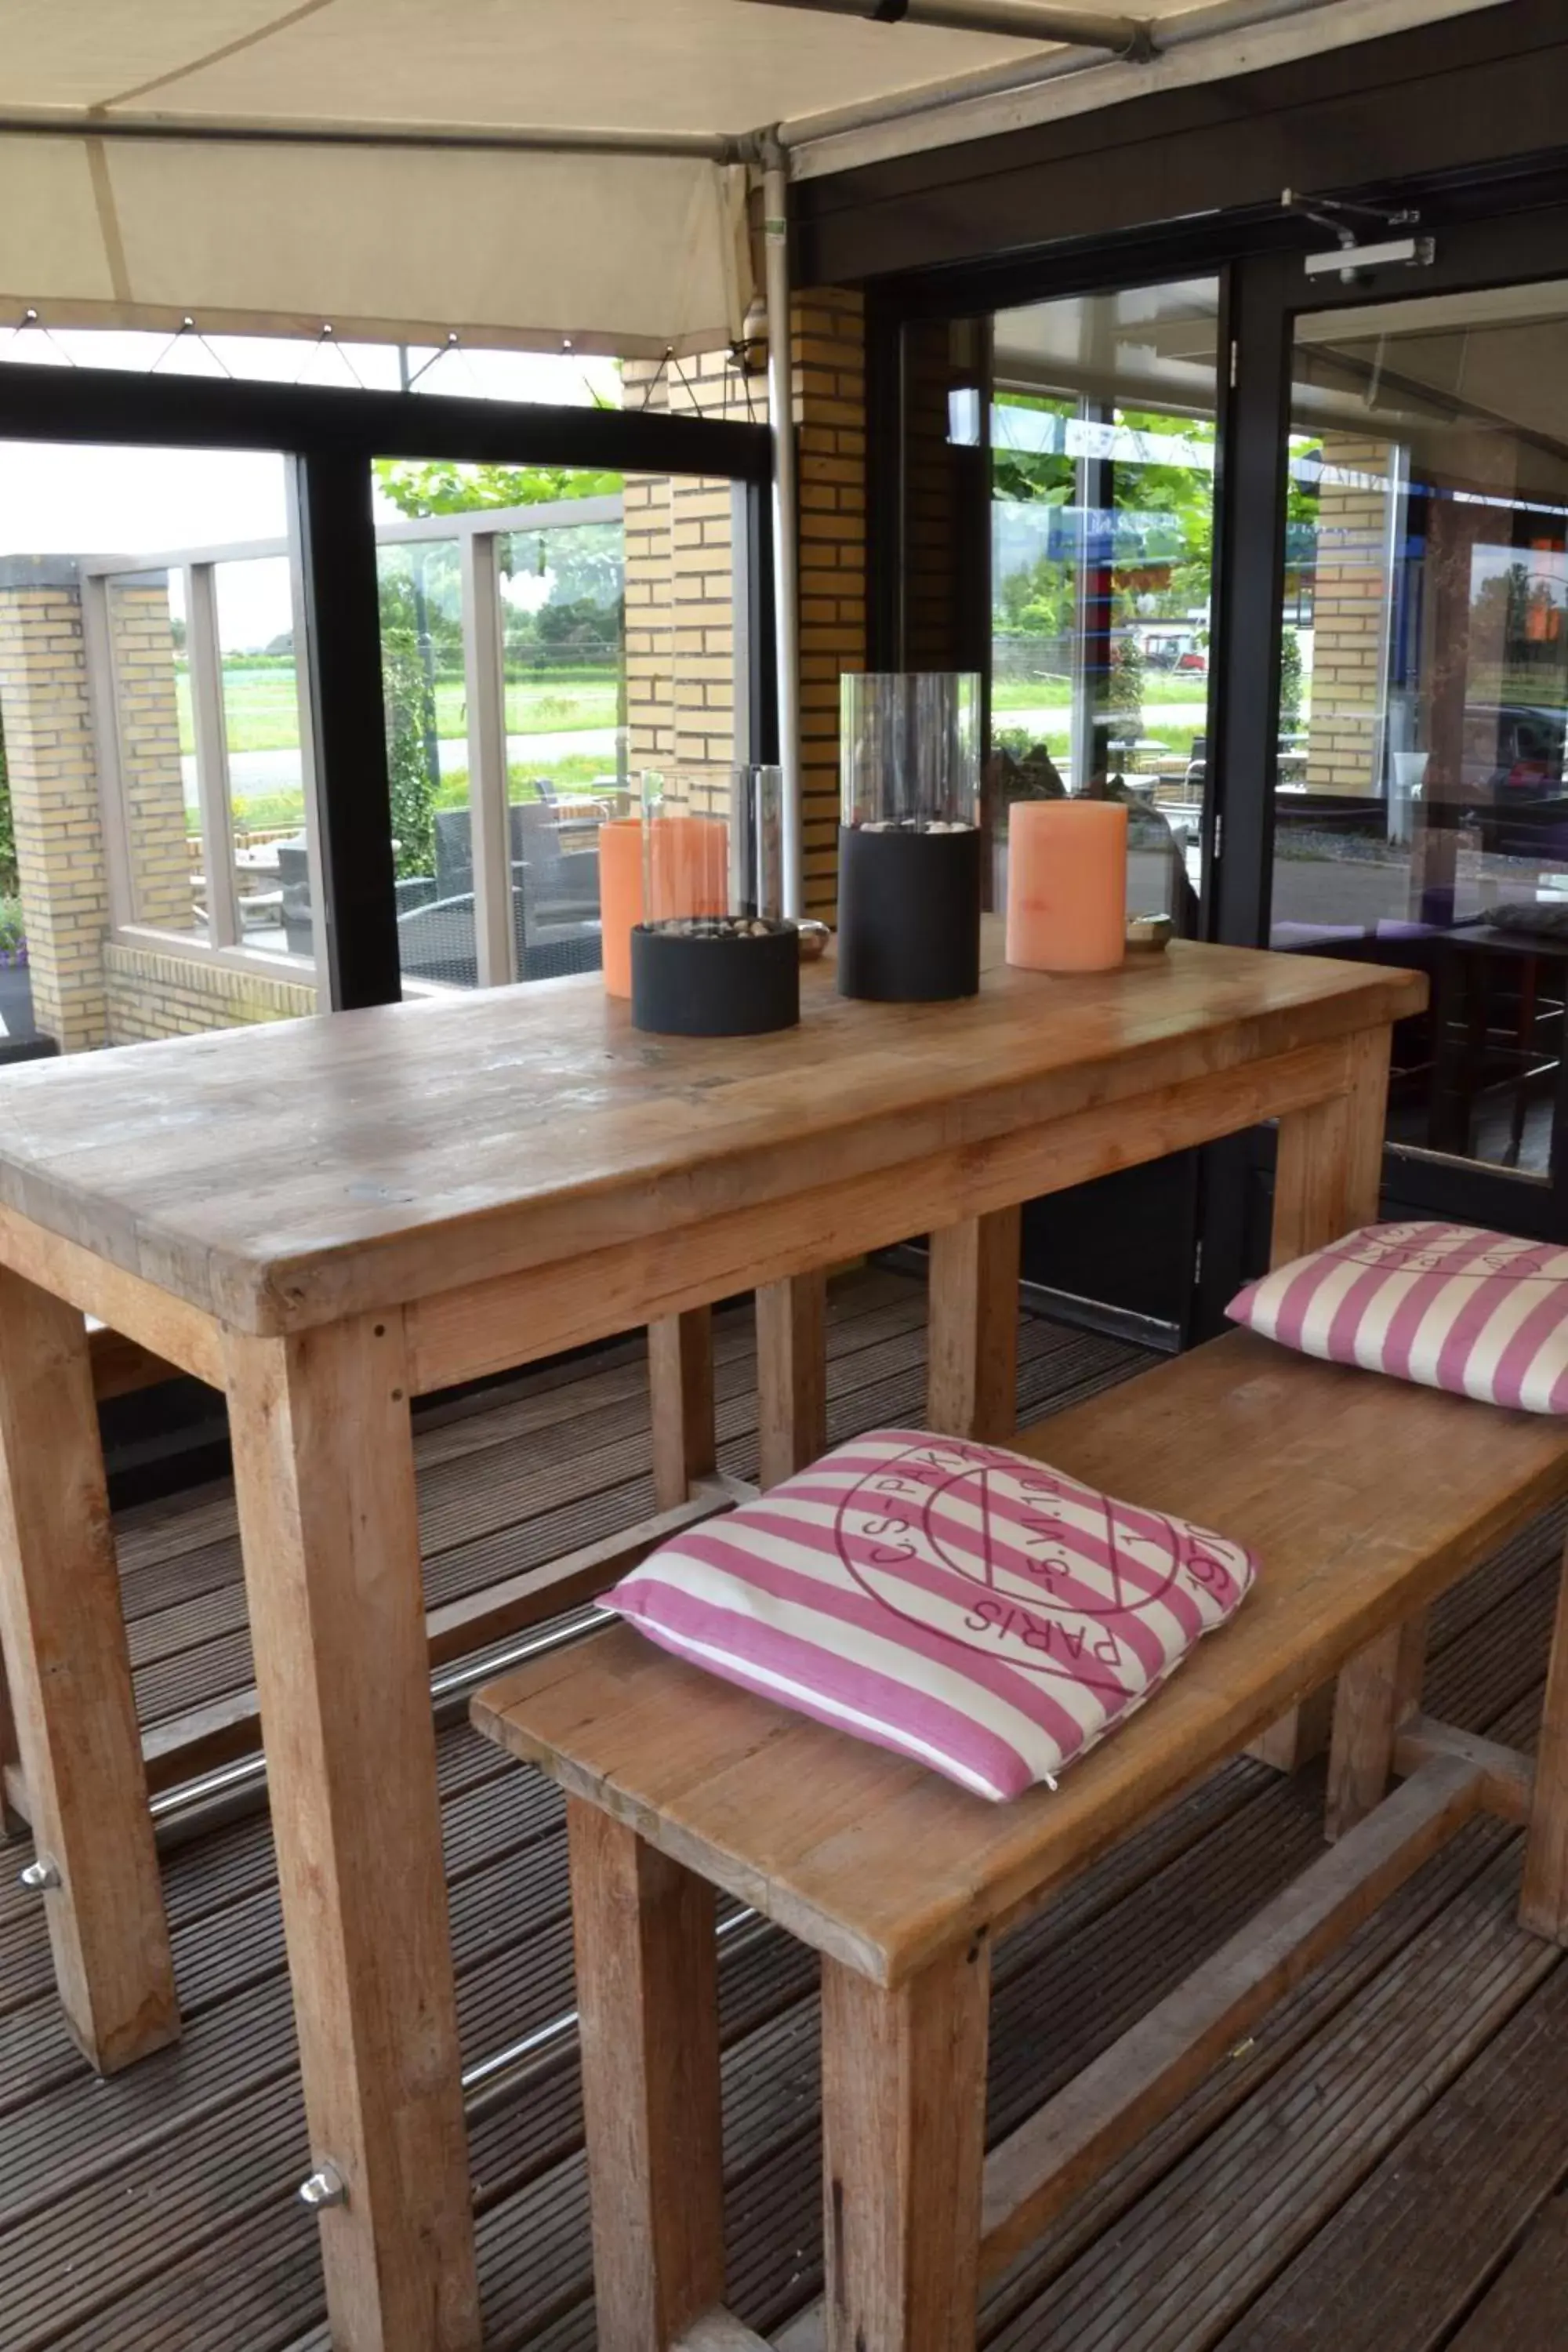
x=1148 y=934
x=813 y=938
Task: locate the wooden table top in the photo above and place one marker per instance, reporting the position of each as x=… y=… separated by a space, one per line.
x=240 y=1170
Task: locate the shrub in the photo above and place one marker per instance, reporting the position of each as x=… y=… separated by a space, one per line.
x=8 y=880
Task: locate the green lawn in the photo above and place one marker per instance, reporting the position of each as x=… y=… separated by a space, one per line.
x=263 y=712
x=1160 y=688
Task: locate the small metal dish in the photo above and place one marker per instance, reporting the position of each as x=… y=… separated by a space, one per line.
x=1148 y=934
x=813 y=938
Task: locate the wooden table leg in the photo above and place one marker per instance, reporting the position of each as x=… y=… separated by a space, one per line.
x=681 y=1386
x=324 y=1471
x=972 y=1347
x=903 y=2119
x=647 y=2002
x=1544 y=1903
x=1376 y=1692
x=792 y=1375
x=1327 y=1178
x=63 y=1633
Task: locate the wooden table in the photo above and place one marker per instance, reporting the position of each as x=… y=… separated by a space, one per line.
x=325 y=1219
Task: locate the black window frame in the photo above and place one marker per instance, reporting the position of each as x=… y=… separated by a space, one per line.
x=328 y=439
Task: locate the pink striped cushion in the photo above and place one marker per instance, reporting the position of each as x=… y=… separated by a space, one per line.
x=965 y=1606
x=1450 y=1306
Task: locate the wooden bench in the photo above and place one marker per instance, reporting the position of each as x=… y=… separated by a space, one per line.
x=1364 y=1498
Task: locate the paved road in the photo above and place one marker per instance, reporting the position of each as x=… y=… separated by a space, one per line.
x=279 y=771
x=1058 y=716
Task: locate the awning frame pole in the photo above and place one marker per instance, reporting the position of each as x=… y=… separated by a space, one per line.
x=787 y=568
x=1012 y=20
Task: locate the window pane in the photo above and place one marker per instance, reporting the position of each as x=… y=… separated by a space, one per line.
x=427 y=756
x=1101 y=451
x=130 y=698
x=563 y=587
x=1422 y=809
x=262 y=731
x=546 y=634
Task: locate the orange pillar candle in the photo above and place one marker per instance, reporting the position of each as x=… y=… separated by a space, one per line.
x=620 y=899
x=1066 y=885
x=686 y=867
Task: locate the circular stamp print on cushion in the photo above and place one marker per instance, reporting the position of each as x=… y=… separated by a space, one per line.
x=1018 y=1563
x=1422 y=1247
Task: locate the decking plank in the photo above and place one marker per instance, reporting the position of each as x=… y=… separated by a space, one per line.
x=1397 y=2266
x=1527 y=2309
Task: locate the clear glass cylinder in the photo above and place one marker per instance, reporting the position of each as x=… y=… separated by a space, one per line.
x=712 y=848
x=909 y=751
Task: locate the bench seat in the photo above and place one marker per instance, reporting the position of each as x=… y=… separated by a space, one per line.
x=1363 y=1498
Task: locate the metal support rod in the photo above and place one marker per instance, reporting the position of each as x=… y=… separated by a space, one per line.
x=1012 y=20
x=787 y=563
x=924 y=116
x=311 y=131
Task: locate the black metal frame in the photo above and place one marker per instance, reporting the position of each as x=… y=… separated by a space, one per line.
x=331 y=437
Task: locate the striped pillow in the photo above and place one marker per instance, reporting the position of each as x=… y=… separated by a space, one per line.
x=967 y=1607
x=1450 y=1306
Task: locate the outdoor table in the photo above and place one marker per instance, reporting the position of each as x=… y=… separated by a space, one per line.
x=327 y=1218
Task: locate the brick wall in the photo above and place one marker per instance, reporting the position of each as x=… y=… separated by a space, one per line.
x=147 y=729
x=828 y=353
x=151 y=994
x=681 y=642
x=1350 y=619
x=52 y=759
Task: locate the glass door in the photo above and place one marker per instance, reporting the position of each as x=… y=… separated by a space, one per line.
x=1089 y=442
x=1421 y=799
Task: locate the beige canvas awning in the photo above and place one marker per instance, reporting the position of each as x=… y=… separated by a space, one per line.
x=521 y=171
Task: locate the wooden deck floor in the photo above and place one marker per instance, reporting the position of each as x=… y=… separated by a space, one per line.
x=1382 y=2168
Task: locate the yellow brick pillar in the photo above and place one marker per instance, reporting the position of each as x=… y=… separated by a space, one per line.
x=1350 y=616
x=681 y=651
x=147 y=730
x=52 y=762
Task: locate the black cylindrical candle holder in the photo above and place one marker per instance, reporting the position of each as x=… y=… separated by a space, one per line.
x=714 y=956
x=704 y=982
x=908 y=915
x=910 y=852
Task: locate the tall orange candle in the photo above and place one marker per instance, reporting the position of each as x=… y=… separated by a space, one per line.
x=686 y=867
x=1066 y=885
x=620 y=899
x=688 y=876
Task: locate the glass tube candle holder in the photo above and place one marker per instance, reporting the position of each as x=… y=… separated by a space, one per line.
x=714 y=955
x=909 y=846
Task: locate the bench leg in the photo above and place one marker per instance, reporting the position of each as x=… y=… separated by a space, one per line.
x=1328 y=1171
x=1543 y=1904
x=681 y=1384
x=1377 y=1691
x=972 y=1355
x=903 y=2114
x=647 y=2002
x=792 y=1375
x=62 y=1630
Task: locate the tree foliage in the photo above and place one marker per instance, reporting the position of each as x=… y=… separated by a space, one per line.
x=447 y=487
x=410 y=723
